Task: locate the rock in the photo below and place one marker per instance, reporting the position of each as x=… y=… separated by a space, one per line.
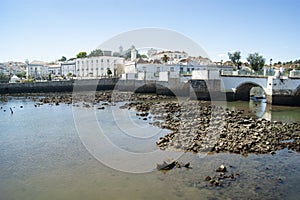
x=166 y=166
x=217 y=183
x=187 y=165
x=208 y=178
x=101 y=108
x=222 y=168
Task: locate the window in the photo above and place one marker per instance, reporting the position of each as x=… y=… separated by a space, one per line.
x=102 y=60
x=96 y=61
x=172 y=69
x=158 y=69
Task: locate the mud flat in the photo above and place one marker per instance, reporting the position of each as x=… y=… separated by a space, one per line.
x=197 y=127
x=194 y=126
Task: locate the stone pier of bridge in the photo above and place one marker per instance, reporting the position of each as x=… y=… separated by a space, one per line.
x=212 y=85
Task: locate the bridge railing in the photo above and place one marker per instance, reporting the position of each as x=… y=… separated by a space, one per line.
x=294 y=74
x=247 y=73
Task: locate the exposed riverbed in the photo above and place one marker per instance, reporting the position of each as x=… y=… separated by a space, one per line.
x=42 y=156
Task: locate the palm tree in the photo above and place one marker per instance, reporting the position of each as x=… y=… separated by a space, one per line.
x=165 y=58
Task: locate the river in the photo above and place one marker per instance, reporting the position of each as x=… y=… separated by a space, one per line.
x=44 y=154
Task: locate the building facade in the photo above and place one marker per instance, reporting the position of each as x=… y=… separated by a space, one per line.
x=151 y=71
x=54 y=70
x=68 y=68
x=37 y=69
x=171 y=55
x=97 y=67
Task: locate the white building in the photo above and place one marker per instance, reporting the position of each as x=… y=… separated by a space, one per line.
x=14 y=79
x=68 y=67
x=151 y=52
x=37 y=69
x=172 y=55
x=99 y=66
x=143 y=70
x=54 y=69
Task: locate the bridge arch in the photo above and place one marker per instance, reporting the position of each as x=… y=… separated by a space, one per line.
x=297 y=91
x=242 y=91
x=296 y=96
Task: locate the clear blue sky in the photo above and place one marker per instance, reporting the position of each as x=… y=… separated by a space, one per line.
x=46 y=30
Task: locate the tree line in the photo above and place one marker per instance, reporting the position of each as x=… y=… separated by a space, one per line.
x=99 y=52
x=255 y=60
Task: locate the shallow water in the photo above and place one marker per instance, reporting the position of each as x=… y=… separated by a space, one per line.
x=44 y=155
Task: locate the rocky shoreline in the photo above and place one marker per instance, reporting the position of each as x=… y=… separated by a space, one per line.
x=197 y=127
x=194 y=126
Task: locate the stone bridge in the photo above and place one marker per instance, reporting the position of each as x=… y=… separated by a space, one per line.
x=278 y=90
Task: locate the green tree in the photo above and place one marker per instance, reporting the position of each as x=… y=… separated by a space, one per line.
x=96 y=52
x=81 y=54
x=127 y=54
x=256 y=61
x=63 y=59
x=235 y=58
x=142 y=56
x=21 y=75
x=117 y=54
x=165 y=58
x=71 y=59
x=4 y=78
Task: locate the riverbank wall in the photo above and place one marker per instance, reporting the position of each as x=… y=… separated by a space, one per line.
x=58 y=86
x=210 y=90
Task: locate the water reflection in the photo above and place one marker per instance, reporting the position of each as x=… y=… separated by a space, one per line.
x=266 y=111
x=259 y=108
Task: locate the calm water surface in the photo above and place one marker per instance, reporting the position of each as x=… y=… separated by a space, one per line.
x=42 y=157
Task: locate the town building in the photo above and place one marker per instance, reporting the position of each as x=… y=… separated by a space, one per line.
x=151 y=52
x=54 y=69
x=171 y=55
x=68 y=68
x=37 y=69
x=3 y=69
x=14 y=79
x=99 y=66
x=143 y=70
x=13 y=67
